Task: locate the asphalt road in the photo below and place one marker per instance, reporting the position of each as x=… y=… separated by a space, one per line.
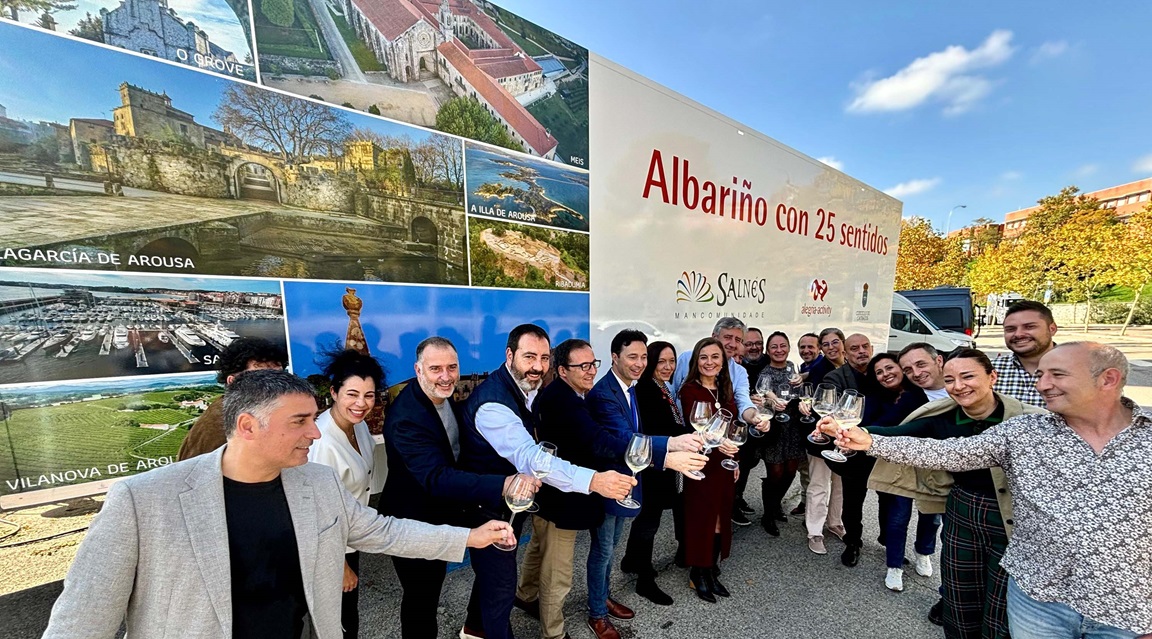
x=336 y=44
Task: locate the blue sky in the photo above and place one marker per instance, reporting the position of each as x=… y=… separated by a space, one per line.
x=989 y=105
x=48 y=77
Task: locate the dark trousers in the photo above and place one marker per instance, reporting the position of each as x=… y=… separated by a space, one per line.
x=421 y=581
x=350 y=601
x=854 y=479
x=895 y=515
x=975 y=587
x=641 y=538
x=494 y=588
x=749 y=458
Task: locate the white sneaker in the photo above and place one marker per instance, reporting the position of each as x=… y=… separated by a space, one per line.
x=923 y=565
x=816 y=545
x=894 y=580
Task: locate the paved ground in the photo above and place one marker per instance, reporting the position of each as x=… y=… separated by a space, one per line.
x=780 y=589
x=415 y=103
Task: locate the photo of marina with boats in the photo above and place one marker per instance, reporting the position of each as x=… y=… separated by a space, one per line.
x=60 y=326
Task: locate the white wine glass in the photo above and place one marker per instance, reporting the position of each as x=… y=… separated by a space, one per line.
x=824 y=404
x=637 y=457
x=717 y=430
x=848 y=414
x=541 y=465
x=701 y=415
x=737 y=436
x=807 y=399
x=518 y=497
x=784 y=394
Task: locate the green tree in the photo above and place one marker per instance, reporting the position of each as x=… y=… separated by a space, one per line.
x=12 y=8
x=927 y=259
x=1132 y=258
x=467 y=118
x=409 y=170
x=373 y=109
x=90 y=28
x=281 y=13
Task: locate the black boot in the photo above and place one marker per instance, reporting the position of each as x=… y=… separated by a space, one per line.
x=700 y=580
x=717 y=587
x=646 y=587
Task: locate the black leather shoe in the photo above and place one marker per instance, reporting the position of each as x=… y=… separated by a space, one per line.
x=770 y=527
x=780 y=516
x=936 y=613
x=530 y=608
x=701 y=581
x=851 y=556
x=743 y=506
x=718 y=587
x=798 y=510
x=739 y=518
x=648 y=589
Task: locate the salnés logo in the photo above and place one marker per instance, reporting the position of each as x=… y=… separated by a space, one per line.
x=818 y=289
x=693 y=287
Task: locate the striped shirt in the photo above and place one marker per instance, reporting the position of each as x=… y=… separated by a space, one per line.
x=1014 y=381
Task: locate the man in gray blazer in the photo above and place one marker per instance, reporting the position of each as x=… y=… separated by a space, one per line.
x=247 y=541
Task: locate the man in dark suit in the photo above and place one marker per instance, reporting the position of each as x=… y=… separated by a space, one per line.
x=563 y=420
x=612 y=403
x=422 y=437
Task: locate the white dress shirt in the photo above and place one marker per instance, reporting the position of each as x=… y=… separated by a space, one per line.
x=335 y=451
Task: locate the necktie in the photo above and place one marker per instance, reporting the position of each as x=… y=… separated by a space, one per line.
x=632 y=404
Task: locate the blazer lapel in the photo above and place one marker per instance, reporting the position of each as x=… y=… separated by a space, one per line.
x=207 y=525
x=302 y=506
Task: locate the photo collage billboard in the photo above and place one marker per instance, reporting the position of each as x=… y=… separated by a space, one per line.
x=350 y=173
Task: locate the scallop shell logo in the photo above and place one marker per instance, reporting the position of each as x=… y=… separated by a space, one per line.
x=693 y=287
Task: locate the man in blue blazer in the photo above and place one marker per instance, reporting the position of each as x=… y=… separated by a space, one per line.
x=612 y=403
x=422 y=437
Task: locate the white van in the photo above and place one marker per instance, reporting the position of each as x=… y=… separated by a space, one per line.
x=909 y=325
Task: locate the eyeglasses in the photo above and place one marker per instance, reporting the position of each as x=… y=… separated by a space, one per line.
x=586 y=366
x=834 y=342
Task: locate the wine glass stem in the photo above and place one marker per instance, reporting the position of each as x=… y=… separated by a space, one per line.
x=631 y=489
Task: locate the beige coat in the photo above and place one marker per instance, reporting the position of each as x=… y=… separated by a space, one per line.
x=930 y=487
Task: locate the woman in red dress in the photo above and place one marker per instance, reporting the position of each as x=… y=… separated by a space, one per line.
x=708 y=502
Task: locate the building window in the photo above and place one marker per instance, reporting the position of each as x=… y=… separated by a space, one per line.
x=1144 y=197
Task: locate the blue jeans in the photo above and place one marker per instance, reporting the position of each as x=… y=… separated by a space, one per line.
x=600 y=554
x=1032 y=619
x=895 y=514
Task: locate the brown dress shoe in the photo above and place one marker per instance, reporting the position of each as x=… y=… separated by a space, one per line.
x=618 y=610
x=603 y=629
x=530 y=608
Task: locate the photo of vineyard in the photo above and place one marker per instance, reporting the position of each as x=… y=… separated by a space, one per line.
x=75 y=433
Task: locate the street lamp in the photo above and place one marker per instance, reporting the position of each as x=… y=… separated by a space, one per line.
x=948 y=225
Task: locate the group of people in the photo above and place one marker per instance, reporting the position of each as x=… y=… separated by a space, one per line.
x=1044 y=513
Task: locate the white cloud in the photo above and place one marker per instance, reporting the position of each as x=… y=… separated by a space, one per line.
x=913 y=187
x=1143 y=165
x=944 y=76
x=1085 y=170
x=1009 y=176
x=832 y=162
x=1049 y=50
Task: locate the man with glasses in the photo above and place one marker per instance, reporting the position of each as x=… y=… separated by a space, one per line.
x=612 y=402
x=498 y=438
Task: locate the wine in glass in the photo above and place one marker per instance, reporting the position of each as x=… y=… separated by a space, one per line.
x=518 y=497
x=784 y=394
x=807 y=399
x=701 y=415
x=737 y=436
x=762 y=400
x=541 y=465
x=847 y=415
x=637 y=456
x=824 y=404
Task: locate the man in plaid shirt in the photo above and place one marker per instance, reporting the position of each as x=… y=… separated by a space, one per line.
x=1028 y=331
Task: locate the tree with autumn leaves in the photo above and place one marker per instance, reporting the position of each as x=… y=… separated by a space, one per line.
x=1071 y=244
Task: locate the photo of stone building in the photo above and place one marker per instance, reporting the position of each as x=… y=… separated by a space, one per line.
x=212 y=35
x=442 y=63
x=202 y=175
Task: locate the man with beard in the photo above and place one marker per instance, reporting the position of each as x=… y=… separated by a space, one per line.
x=851 y=374
x=1028 y=330
x=499 y=437
x=422 y=437
x=753 y=359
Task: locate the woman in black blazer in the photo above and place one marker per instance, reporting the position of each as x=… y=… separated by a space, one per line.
x=660 y=415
